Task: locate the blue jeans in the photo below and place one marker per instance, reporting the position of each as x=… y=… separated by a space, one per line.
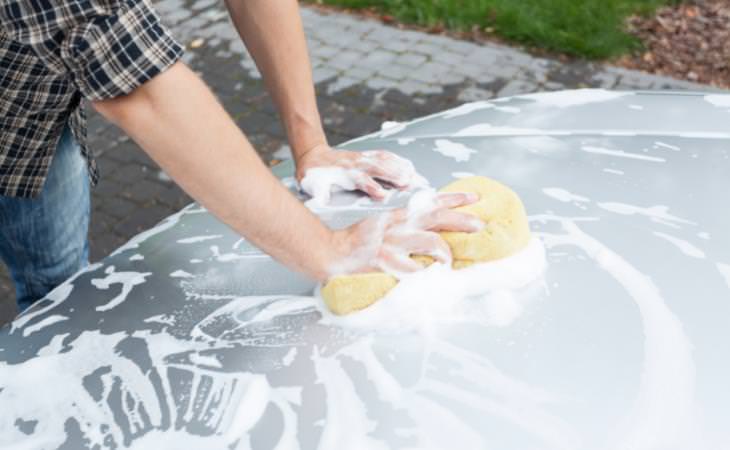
x=43 y=240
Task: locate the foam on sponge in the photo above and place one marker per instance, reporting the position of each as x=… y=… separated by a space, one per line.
x=507 y=232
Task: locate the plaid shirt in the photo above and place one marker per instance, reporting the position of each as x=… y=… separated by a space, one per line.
x=53 y=53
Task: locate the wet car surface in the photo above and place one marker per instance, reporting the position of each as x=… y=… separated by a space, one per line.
x=189 y=337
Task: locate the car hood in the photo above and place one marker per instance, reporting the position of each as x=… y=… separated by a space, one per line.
x=189 y=337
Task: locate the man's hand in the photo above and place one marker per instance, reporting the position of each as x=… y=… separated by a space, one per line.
x=322 y=169
x=387 y=241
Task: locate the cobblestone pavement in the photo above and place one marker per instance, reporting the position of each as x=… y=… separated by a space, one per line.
x=365 y=73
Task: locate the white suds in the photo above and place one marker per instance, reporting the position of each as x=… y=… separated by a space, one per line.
x=321 y=182
x=128 y=280
x=180 y=274
x=288 y=359
x=658 y=420
x=657 y=213
x=205 y=360
x=136 y=257
x=50 y=320
x=725 y=272
x=390 y=128
x=683 y=246
x=459 y=152
x=164 y=319
x=620 y=153
x=613 y=171
x=195 y=239
x=564 y=196
x=563 y=99
x=485 y=129
x=636 y=107
x=166 y=224
x=659 y=144
x=462 y=174
x=466 y=108
x=720 y=100
x=438 y=294
x=405 y=141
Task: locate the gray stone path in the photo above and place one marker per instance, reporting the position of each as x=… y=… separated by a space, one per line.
x=365 y=73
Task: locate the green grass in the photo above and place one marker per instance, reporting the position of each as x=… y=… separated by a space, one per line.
x=587 y=28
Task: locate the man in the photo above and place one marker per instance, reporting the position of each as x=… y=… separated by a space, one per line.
x=116 y=54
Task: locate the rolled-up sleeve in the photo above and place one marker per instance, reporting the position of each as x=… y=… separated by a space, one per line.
x=108 y=48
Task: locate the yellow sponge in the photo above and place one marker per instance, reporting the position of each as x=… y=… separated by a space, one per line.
x=506 y=233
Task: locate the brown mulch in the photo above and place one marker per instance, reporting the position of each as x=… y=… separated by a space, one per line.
x=690 y=41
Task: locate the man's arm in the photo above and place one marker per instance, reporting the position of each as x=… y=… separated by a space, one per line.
x=178 y=122
x=273 y=33
x=176 y=119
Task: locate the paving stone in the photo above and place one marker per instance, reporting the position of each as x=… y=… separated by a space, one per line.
x=516 y=87
x=397 y=46
x=412 y=59
x=346 y=60
x=426 y=48
x=378 y=58
x=473 y=94
x=448 y=57
x=321 y=74
x=395 y=72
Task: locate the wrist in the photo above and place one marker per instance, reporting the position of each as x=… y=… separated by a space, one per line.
x=336 y=250
x=304 y=134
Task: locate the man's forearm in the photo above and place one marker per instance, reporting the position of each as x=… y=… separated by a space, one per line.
x=273 y=33
x=195 y=142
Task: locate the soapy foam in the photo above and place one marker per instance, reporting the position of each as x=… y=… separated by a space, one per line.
x=459 y=152
x=166 y=224
x=682 y=245
x=485 y=129
x=390 y=128
x=620 y=154
x=128 y=280
x=725 y=272
x=50 y=320
x=613 y=171
x=195 y=239
x=466 y=108
x=657 y=213
x=439 y=294
x=53 y=299
x=664 y=145
x=721 y=101
x=578 y=97
x=564 y=196
x=663 y=415
x=321 y=182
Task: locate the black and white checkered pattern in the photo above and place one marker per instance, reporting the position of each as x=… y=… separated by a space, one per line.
x=53 y=53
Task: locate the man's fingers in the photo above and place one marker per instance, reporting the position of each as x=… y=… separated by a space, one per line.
x=388 y=167
x=455 y=199
x=427 y=243
x=388 y=174
x=448 y=220
x=371 y=187
x=394 y=260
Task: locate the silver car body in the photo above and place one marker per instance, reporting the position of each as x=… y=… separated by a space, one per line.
x=189 y=337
